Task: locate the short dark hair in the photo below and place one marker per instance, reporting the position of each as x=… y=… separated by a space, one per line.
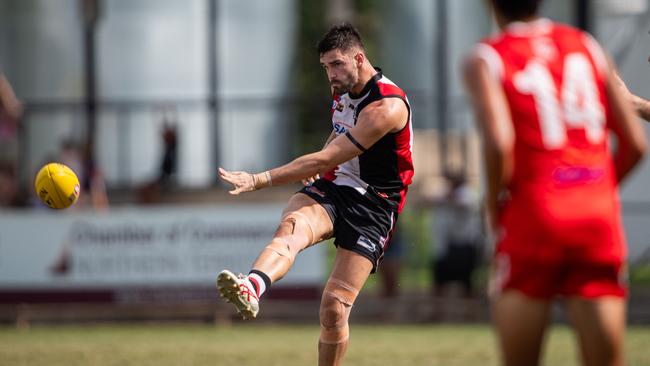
x=516 y=9
x=340 y=36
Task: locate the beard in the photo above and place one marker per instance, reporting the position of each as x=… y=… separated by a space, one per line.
x=343 y=86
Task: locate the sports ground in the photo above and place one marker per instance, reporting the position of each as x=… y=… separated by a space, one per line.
x=268 y=344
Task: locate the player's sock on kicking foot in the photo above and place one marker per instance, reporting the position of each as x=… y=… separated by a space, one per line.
x=239 y=291
x=260 y=281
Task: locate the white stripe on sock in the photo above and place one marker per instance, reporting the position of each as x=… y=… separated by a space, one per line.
x=260 y=282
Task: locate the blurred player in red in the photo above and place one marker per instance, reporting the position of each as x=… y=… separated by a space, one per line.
x=367 y=168
x=545 y=100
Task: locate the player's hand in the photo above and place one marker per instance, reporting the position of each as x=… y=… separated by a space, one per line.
x=309 y=181
x=241 y=181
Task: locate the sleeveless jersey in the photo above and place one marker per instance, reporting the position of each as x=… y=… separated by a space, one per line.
x=564 y=196
x=385 y=167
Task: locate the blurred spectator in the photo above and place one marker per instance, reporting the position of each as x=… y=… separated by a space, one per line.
x=460 y=240
x=9 y=192
x=93 y=181
x=71 y=155
x=151 y=191
x=390 y=267
x=169 y=159
x=10 y=111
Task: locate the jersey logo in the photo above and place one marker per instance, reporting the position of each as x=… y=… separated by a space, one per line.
x=577 y=174
x=366 y=243
x=339 y=106
x=340 y=129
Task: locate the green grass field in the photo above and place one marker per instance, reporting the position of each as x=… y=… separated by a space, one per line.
x=257 y=345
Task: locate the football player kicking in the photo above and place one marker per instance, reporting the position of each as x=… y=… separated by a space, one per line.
x=366 y=168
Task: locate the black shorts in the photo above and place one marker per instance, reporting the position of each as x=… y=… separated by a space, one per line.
x=363 y=223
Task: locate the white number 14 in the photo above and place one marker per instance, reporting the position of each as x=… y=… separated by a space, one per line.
x=576 y=106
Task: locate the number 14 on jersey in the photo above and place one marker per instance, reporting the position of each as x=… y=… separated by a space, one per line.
x=576 y=106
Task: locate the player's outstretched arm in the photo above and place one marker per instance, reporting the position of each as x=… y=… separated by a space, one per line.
x=641 y=105
x=631 y=137
x=375 y=121
x=495 y=126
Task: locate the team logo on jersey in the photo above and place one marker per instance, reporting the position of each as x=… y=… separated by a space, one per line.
x=338 y=106
x=366 y=243
x=339 y=128
x=577 y=175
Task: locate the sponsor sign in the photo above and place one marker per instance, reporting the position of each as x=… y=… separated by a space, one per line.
x=162 y=246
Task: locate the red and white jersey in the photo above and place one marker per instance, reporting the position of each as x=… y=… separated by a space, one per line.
x=386 y=166
x=563 y=188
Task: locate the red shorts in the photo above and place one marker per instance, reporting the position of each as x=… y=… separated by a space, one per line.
x=547 y=279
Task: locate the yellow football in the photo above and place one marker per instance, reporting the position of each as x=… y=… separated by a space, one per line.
x=57 y=186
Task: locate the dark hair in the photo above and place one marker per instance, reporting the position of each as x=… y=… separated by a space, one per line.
x=341 y=36
x=516 y=9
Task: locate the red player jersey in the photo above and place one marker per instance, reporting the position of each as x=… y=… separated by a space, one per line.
x=564 y=198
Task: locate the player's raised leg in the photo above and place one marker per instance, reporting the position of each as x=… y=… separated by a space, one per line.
x=600 y=325
x=350 y=272
x=520 y=323
x=304 y=222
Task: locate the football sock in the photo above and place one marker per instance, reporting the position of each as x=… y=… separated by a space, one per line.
x=260 y=281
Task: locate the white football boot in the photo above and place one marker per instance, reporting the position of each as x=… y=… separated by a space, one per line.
x=240 y=292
